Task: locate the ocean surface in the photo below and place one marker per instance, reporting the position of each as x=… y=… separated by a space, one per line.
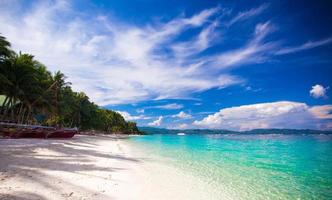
x=255 y=166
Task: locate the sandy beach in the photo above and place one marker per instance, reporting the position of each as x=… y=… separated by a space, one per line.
x=88 y=167
x=85 y=167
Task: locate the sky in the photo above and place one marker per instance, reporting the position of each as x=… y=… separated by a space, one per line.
x=187 y=64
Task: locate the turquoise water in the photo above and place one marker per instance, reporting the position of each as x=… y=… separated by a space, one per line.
x=250 y=166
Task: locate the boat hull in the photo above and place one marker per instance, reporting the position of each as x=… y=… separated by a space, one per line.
x=62 y=134
x=40 y=134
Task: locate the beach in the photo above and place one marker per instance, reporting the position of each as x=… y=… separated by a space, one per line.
x=87 y=167
x=167 y=166
x=174 y=100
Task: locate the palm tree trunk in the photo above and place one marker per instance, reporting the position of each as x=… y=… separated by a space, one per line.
x=21 y=114
x=12 y=111
x=26 y=119
x=3 y=105
x=6 y=109
x=78 y=120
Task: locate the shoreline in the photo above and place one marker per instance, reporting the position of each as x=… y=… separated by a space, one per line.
x=107 y=167
x=89 y=167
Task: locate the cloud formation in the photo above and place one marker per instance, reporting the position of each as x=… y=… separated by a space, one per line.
x=182 y=115
x=170 y=106
x=129 y=117
x=157 y=122
x=306 y=46
x=318 y=91
x=112 y=61
x=179 y=126
x=248 y=14
x=322 y=112
x=255 y=51
x=117 y=62
x=281 y=114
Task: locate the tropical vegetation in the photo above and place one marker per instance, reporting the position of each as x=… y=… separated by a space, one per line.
x=30 y=94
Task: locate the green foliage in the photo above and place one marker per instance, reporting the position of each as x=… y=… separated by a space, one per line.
x=31 y=94
x=5 y=50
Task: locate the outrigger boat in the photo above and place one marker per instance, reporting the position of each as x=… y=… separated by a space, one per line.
x=12 y=130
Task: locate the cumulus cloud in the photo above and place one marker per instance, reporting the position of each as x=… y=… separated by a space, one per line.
x=318 y=91
x=282 y=114
x=129 y=117
x=322 y=112
x=157 y=122
x=182 y=115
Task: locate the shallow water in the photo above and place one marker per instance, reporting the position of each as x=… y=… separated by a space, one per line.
x=249 y=166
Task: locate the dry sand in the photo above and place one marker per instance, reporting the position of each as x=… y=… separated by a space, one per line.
x=90 y=167
x=84 y=167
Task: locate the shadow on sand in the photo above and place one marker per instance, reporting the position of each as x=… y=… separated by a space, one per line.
x=22 y=196
x=77 y=155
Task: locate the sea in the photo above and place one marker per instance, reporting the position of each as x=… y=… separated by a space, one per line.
x=248 y=166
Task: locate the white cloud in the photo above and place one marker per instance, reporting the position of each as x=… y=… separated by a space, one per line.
x=140 y=110
x=247 y=14
x=305 y=46
x=129 y=117
x=157 y=122
x=255 y=51
x=170 y=106
x=203 y=41
x=182 y=115
x=179 y=126
x=322 y=112
x=318 y=91
x=258 y=50
x=116 y=62
x=249 y=88
x=282 y=114
x=113 y=61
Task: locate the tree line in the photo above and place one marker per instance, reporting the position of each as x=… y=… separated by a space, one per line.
x=31 y=94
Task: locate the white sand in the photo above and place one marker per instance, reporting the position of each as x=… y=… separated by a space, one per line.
x=88 y=167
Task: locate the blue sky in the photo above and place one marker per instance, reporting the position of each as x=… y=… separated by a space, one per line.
x=187 y=64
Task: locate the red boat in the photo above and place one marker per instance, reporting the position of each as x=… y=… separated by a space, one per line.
x=31 y=133
x=10 y=130
x=65 y=133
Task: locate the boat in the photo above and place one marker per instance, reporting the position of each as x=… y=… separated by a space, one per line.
x=62 y=133
x=181 y=134
x=12 y=130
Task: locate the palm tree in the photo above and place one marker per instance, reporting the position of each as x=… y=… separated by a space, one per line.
x=5 y=50
x=4 y=53
x=56 y=97
x=30 y=91
x=15 y=73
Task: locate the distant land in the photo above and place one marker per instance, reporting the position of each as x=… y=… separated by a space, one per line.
x=152 y=130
